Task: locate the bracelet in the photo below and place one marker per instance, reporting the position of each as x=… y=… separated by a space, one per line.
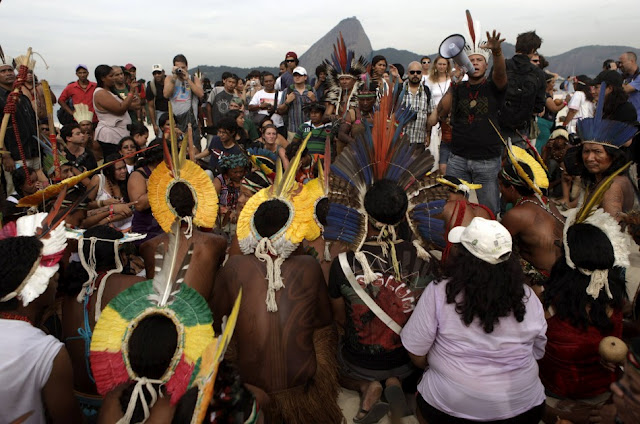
x=110 y=210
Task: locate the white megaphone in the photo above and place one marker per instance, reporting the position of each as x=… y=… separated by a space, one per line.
x=453 y=48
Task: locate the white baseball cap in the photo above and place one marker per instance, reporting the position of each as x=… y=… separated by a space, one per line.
x=156 y=68
x=299 y=70
x=486 y=239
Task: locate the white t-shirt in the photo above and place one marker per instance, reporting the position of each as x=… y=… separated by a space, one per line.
x=585 y=108
x=262 y=97
x=438 y=89
x=472 y=374
x=26 y=360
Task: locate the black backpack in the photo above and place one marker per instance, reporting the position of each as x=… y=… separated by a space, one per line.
x=520 y=97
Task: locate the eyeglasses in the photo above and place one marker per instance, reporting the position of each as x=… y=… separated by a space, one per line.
x=426 y=63
x=43 y=129
x=290 y=60
x=535 y=61
x=415 y=72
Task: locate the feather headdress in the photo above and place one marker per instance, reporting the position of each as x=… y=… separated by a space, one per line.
x=49 y=229
x=343 y=63
x=604 y=131
x=82 y=113
x=165 y=295
x=381 y=154
x=474 y=43
x=177 y=169
x=281 y=244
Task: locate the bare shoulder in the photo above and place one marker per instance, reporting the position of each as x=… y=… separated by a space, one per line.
x=211 y=240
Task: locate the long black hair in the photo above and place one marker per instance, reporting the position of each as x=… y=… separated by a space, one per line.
x=613 y=101
x=618 y=160
x=566 y=288
x=488 y=292
x=101 y=72
x=110 y=174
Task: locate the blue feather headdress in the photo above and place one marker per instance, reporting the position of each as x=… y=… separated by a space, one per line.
x=604 y=131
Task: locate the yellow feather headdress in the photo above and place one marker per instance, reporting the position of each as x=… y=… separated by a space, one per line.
x=177 y=169
x=281 y=244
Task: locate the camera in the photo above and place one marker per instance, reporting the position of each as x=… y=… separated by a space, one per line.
x=179 y=71
x=253 y=83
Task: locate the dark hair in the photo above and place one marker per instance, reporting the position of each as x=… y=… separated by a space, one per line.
x=606 y=65
x=110 y=174
x=229 y=124
x=291 y=150
x=386 y=202
x=253 y=74
x=270 y=217
x=265 y=119
x=618 y=159
x=234 y=113
x=180 y=58
x=489 y=292
x=315 y=107
x=509 y=169
x=585 y=87
x=101 y=72
x=543 y=62
x=151 y=348
x=423 y=58
x=19 y=177
x=528 y=42
x=164 y=118
x=123 y=139
x=320 y=69
x=181 y=199
x=322 y=210
x=138 y=128
x=375 y=60
x=267 y=74
x=18 y=256
x=566 y=288
x=67 y=130
x=104 y=254
x=613 y=101
x=226 y=74
x=400 y=69
x=151 y=156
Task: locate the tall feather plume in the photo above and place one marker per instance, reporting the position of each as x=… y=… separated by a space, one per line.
x=382 y=137
x=593 y=200
x=2 y=55
x=472 y=31
x=289 y=178
x=164 y=286
x=327 y=165
x=340 y=56
x=174 y=144
x=182 y=272
x=53 y=190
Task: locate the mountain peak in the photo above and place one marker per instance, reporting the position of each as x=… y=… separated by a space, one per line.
x=354 y=37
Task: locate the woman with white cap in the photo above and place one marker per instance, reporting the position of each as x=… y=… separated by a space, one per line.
x=481 y=331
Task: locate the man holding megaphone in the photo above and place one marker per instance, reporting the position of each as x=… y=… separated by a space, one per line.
x=476 y=147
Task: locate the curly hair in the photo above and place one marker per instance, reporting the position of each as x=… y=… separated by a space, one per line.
x=488 y=292
x=566 y=288
x=229 y=162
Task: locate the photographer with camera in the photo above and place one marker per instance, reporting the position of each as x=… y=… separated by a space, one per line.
x=184 y=92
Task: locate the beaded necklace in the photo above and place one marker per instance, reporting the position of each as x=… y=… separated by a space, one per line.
x=543 y=206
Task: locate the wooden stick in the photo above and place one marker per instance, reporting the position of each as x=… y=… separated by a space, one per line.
x=192 y=148
x=5 y=118
x=52 y=130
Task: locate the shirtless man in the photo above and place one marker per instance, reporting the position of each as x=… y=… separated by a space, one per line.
x=354 y=127
x=285 y=352
x=208 y=249
x=534 y=222
x=78 y=314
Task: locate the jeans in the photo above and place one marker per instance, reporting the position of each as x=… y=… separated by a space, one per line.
x=479 y=171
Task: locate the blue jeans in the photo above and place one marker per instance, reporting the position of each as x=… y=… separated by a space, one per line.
x=479 y=171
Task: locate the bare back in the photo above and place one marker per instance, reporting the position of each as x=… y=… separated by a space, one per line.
x=460 y=213
x=208 y=254
x=536 y=232
x=274 y=349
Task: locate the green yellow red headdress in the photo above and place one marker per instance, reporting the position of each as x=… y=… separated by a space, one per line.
x=177 y=169
x=164 y=295
x=284 y=242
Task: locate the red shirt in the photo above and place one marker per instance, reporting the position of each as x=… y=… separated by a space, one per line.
x=79 y=95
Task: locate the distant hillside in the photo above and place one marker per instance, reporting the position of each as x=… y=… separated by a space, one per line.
x=581 y=60
x=586 y=60
x=354 y=36
x=214 y=73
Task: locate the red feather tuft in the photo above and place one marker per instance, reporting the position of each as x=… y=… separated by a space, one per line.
x=167 y=154
x=472 y=31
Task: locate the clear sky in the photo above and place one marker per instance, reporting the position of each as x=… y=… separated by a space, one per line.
x=253 y=33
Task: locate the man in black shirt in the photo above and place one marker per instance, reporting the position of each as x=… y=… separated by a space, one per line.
x=158 y=104
x=476 y=146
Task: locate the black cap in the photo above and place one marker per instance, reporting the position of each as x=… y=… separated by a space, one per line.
x=609 y=77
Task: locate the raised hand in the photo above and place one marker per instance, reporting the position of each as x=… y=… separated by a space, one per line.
x=494 y=42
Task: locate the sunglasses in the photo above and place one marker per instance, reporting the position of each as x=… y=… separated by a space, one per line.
x=535 y=61
x=426 y=63
x=415 y=72
x=44 y=129
x=290 y=60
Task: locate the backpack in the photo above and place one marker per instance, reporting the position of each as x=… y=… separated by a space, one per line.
x=519 y=98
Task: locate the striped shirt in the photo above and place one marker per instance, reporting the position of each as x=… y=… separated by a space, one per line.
x=422 y=104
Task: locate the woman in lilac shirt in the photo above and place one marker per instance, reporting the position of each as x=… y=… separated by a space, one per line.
x=479 y=334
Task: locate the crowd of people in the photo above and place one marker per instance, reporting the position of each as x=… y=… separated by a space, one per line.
x=282 y=238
